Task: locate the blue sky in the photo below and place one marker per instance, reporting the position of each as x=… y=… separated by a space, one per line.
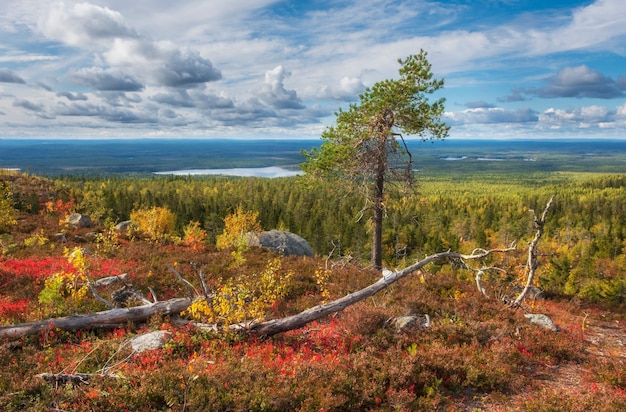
x=265 y=68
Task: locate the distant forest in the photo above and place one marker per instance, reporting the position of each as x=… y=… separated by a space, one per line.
x=583 y=252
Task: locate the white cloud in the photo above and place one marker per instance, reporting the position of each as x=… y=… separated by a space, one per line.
x=83 y=24
x=205 y=66
x=491 y=115
x=579 y=82
x=120 y=46
x=274 y=92
x=7 y=76
x=105 y=79
x=583 y=116
x=348 y=89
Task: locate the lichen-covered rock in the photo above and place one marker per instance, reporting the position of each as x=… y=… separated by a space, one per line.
x=285 y=243
x=150 y=340
x=400 y=323
x=542 y=320
x=79 y=220
x=123 y=226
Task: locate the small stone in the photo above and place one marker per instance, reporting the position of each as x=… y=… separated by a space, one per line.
x=150 y=340
x=542 y=320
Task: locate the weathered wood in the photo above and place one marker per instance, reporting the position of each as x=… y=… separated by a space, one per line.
x=273 y=327
x=532 y=253
x=110 y=280
x=267 y=328
x=107 y=317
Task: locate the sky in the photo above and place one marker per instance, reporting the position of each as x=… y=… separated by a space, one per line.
x=281 y=69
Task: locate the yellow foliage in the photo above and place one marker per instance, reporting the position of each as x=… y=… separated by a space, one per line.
x=321 y=279
x=244 y=299
x=38 y=239
x=195 y=236
x=236 y=225
x=63 y=289
x=7 y=212
x=157 y=223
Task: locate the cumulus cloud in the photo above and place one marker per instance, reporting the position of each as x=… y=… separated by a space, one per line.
x=7 y=76
x=164 y=62
x=122 y=48
x=621 y=111
x=581 y=82
x=83 y=24
x=196 y=99
x=104 y=112
x=105 y=79
x=37 y=109
x=28 y=105
x=178 y=98
x=580 y=115
x=348 y=90
x=274 y=92
x=492 y=115
x=72 y=96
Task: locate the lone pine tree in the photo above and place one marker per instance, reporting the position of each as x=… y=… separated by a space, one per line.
x=367 y=147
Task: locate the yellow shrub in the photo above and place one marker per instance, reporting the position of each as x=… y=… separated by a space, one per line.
x=236 y=225
x=244 y=299
x=7 y=212
x=64 y=291
x=156 y=223
x=195 y=236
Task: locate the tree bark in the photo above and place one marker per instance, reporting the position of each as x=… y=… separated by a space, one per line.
x=104 y=318
x=379 y=193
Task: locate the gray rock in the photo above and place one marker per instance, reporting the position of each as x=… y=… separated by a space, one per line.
x=400 y=323
x=285 y=243
x=79 y=220
x=542 y=320
x=150 y=340
x=122 y=226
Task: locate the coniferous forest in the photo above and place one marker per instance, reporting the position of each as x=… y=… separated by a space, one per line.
x=474 y=352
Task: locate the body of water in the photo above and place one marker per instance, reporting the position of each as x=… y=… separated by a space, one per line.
x=273 y=158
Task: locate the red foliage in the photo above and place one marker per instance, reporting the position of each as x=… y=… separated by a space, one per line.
x=33 y=268
x=10 y=308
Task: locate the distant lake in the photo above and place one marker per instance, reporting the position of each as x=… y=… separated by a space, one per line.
x=271 y=172
x=272 y=158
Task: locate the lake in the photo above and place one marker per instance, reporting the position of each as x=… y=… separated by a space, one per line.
x=273 y=158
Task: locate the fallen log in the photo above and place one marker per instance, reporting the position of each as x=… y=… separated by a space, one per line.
x=108 y=317
x=266 y=329
x=275 y=326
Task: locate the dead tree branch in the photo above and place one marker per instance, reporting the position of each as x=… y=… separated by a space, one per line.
x=112 y=317
x=532 y=253
x=275 y=326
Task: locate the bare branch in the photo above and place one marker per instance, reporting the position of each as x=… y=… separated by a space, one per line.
x=94 y=292
x=192 y=290
x=273 y=327
x=110 y=280
x=532 y=253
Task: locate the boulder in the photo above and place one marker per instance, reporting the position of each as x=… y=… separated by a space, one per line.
x=542 y=320
x=285 y=243
x=122 y=226
x=79 y=220
x=150 y=340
